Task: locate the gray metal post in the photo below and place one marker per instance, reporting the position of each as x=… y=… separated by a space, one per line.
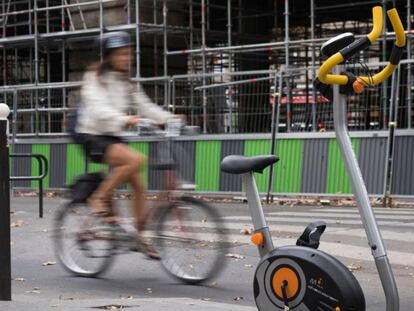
x=155 y=39
x=49 y=117
x=409 y=80
x=203 y=47
x=314 y=95
x=36 y=67
x=256 y=211
x=361 y=195
x=383 y=59
x=392 y=126
x=288 y=99
x=166 y=84
x=5 y=253
x=47 y=17
x=273 y=142
x=100 y=29
x=62 y=17
x=137 y=43
x=14 y=120
x=192 y=70
x=230 y=59
x=128 y=11
x=4 y=52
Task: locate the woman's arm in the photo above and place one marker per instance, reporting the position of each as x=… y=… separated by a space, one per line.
x=148 y=109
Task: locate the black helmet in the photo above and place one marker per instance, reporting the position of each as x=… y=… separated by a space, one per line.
x=114 y=40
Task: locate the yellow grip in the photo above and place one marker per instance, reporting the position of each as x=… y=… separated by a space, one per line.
x=377 y=24
x=398 y=27
x=385 y=73
x=327 y=66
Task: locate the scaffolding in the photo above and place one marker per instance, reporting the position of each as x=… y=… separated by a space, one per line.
x=191 y=47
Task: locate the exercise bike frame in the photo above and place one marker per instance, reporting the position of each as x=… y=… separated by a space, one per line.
x=369 y=222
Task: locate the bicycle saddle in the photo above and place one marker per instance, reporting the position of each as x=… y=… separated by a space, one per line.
x=237 y=164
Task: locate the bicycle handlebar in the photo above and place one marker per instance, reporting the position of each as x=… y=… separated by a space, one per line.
x=361 y=44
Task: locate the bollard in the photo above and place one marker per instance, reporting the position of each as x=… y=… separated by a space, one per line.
x=5 y=259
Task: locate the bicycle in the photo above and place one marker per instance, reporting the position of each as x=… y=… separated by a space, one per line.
x=188 y=233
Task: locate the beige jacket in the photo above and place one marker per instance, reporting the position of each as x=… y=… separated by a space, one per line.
x=106 y=107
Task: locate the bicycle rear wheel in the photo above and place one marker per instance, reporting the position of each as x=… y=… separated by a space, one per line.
x=192 y=240
x=83 y=243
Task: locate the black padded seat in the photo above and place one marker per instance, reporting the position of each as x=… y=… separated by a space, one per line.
x=237 y=164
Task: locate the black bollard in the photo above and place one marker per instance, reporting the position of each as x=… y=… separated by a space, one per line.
x=5 y=254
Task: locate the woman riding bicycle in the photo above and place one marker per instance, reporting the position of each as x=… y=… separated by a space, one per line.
x=110 y=104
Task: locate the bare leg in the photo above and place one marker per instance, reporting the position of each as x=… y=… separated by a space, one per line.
x=138 y=202
x=124 y=162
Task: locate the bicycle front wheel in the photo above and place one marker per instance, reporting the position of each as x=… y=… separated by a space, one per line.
x=84 y=244
x=192 y=240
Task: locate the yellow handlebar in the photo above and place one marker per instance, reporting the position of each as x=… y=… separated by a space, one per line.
x=398 y=27
x=377 y=24
x=337 y=58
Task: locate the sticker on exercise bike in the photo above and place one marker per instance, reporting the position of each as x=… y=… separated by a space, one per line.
x=320 y=291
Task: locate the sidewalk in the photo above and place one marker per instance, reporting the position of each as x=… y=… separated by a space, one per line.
x=38 y=303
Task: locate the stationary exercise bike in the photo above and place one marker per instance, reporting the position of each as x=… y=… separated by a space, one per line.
x=302 y=277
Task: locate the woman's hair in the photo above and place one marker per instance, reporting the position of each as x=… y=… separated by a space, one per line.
x=102 y=68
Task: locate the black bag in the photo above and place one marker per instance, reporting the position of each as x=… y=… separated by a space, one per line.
x=83 y=187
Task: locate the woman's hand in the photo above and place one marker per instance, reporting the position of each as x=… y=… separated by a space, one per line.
x=132 y=121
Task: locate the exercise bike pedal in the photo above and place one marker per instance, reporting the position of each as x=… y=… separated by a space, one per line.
x=312 y=235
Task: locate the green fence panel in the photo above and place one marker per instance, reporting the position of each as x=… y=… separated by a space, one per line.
x=207 y=166
x=43 y=149
x=288 y=170
x=337 y=179
x=254 y=148
x=75 y=162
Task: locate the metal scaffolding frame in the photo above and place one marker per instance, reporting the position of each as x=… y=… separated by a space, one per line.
x=37 y=38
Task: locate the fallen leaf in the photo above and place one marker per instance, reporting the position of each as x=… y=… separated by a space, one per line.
x=235 y=256
x=353 y=267
x=35 y=290
x=61 y=297
x=49 y=263
x=17 y=223
x=112 y=307
x=246 y=231
x=126 y=297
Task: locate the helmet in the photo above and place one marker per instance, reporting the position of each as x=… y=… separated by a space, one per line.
x=114 y=40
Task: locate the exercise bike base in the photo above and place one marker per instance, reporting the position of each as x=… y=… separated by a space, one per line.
x=313 y=281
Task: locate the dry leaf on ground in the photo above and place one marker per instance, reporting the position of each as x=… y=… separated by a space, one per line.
x=246 y=231
x=17 y=223
x=353 y=267
x=235 y=256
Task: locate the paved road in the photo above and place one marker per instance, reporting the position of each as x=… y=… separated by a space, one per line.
x=141 y=285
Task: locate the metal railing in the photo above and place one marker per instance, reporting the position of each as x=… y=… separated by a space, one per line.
x=227 y=102
x=43 y=169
